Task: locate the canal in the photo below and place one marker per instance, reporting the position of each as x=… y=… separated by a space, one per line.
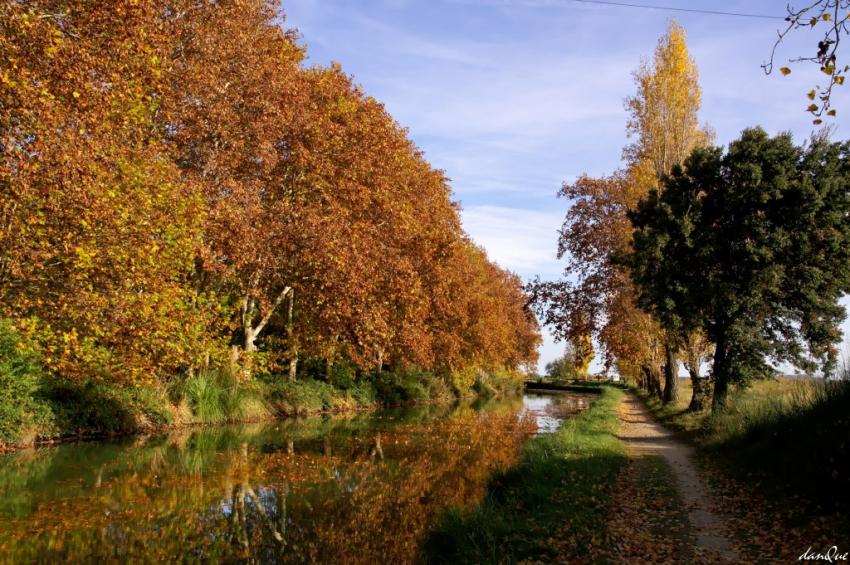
x=343 y=489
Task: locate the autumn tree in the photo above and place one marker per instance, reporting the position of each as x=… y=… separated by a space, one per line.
x=486 y=306
x=230 y=110
x=200 y=189
x=752 y=247
x=584 y=355
x=99 y=229
x=596 y=296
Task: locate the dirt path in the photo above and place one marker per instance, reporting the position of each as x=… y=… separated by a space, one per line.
x=705 y=539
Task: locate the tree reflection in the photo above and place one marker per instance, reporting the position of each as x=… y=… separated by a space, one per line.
x=353 y=490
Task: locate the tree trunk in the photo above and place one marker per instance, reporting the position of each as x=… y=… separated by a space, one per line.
x=698 y=396
x=721 y=375
x=653 y=386
x=671 y=373
x=250 y=340
x=293 y=366
x=251 y=330
x=249 y=346
x=293 y=348
x=656 y=384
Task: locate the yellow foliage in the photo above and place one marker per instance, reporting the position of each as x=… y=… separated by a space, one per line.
x=583 y=355
x=664 y=110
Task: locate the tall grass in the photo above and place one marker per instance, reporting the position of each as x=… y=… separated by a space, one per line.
x=216 y=395
x=767 y=405
x=794 y=435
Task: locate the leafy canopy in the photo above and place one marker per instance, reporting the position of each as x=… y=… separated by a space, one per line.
x=753 y=247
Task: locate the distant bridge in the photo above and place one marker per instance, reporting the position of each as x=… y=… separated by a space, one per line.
x=590 y=388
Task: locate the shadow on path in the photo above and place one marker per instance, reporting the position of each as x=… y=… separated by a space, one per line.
x=646 y=438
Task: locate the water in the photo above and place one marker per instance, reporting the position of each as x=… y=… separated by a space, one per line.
x=549 y=409
x=361 y=488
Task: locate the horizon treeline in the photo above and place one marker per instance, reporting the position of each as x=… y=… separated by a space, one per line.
x=179 y=190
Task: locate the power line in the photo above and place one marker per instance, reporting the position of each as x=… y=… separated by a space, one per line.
x=673 y=9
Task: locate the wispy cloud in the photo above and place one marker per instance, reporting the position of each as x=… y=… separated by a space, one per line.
x=521 y=240
x=402 y=42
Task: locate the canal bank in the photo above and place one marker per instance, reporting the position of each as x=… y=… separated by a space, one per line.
x=53 y=410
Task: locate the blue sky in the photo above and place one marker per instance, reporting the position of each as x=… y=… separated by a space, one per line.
x=513 y=97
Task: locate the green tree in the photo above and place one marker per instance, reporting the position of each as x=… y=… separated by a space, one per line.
x=753 y=248
x=563 y=368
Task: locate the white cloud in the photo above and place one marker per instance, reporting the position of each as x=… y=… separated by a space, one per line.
x=524 y=241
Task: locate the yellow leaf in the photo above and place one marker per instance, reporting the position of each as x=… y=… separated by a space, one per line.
x=826 y=17
x=812 y=108
x=811 y=94
x=76 y=94
x=785 y=71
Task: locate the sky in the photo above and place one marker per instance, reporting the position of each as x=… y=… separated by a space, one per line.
x=511 y=98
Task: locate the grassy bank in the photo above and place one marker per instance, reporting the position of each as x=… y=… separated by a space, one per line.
x=552 y=503
x=789 y=436
x=36 y=406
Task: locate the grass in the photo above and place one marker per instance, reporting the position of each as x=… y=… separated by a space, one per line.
x=216 y=396
x=675 y=415
x=553 y=503
x=788 y=434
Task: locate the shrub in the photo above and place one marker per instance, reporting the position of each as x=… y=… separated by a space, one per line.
x=89 y=407
x=343 y=375
x=363 y=393
x=402 y=385
x=497 y=381
x=305 y=396
x=21 y=375
x=463 y=380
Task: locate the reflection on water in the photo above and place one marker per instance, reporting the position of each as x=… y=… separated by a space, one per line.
x=343 y=489
x=549 y=409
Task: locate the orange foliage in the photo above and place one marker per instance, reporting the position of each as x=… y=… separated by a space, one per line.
x=188 y=191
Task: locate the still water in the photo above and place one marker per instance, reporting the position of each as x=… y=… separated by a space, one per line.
x=344 y=489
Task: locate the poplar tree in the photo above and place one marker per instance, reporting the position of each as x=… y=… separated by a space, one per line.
x=665 y=127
